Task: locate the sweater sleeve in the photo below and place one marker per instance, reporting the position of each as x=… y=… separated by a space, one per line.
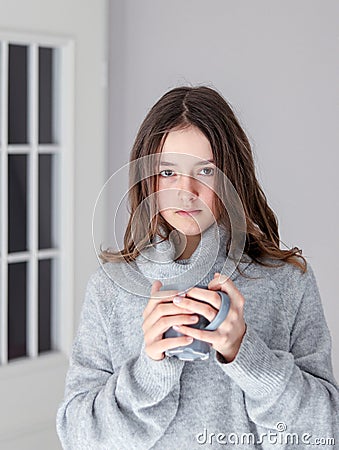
x=291 y=391
x=127 y=408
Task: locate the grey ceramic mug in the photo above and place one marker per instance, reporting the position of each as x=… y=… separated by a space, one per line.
x=198 y=350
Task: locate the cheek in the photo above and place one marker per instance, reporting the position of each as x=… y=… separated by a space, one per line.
x=165 y=198
x=208 y=197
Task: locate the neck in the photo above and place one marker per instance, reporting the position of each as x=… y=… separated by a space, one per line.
x=192 y=243
x=158 y=261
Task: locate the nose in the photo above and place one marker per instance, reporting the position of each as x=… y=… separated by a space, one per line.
x=187 y=188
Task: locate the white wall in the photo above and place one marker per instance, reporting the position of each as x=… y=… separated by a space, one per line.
x=277 y=63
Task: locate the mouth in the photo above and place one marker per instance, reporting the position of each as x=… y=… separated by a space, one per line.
x=191 y=212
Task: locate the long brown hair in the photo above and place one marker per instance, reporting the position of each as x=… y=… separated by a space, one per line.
x=207 y=110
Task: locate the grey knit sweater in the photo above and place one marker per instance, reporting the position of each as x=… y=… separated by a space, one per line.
x=278 y=393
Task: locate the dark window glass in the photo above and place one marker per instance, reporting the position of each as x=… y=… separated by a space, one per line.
x=45 y=201
x=17 y=203
x=45 y=305
x=46 y=95
x=17 y=94
x=17 y=310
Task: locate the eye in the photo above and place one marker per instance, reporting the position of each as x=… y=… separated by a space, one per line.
x=166 y=173
x=208 y=171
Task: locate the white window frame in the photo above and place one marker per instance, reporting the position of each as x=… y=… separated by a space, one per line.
x=22 y=370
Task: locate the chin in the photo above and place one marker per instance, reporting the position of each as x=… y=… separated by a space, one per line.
x=189 y=231
x=188 y=226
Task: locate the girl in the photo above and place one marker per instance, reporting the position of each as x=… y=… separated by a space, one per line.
x=199 y=223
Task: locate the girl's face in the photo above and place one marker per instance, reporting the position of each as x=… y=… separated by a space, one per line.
x=186 y=197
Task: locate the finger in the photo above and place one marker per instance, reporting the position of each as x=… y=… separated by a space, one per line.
x=196 y=333
x=155 y=301
x=219 y=279
x=225 y=284
x=157 y=296
x=161 y=310
x=170 y=343
x=155 y=287
x=159 y=347
x=163 y=324
x=204 y=294
x=199 y=307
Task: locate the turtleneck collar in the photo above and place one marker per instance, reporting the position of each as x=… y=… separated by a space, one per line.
x=158 y=262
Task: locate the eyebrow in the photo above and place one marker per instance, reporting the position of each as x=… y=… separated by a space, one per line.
x=201 y=163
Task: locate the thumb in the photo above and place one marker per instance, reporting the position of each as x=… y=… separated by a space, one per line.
x=217 y=282
x=156 y=285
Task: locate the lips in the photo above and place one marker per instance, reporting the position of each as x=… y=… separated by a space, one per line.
x=191 y=212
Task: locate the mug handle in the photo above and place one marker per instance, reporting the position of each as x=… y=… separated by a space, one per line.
x=222 y=313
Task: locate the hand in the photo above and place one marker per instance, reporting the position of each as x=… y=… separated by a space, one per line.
x=227 y=338
x=159 y=315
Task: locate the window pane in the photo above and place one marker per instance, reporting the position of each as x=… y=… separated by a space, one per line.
x=17 y=310
x=45 y=201
x=17 y=203
x=17 y=94
x=46 y=95
x=45 y=305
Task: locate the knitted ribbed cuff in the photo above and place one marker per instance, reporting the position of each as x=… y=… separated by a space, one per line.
x=256 y=369
x=157 y=378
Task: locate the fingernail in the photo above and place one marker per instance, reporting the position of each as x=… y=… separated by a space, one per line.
x=177 y=299
x=176 y=327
